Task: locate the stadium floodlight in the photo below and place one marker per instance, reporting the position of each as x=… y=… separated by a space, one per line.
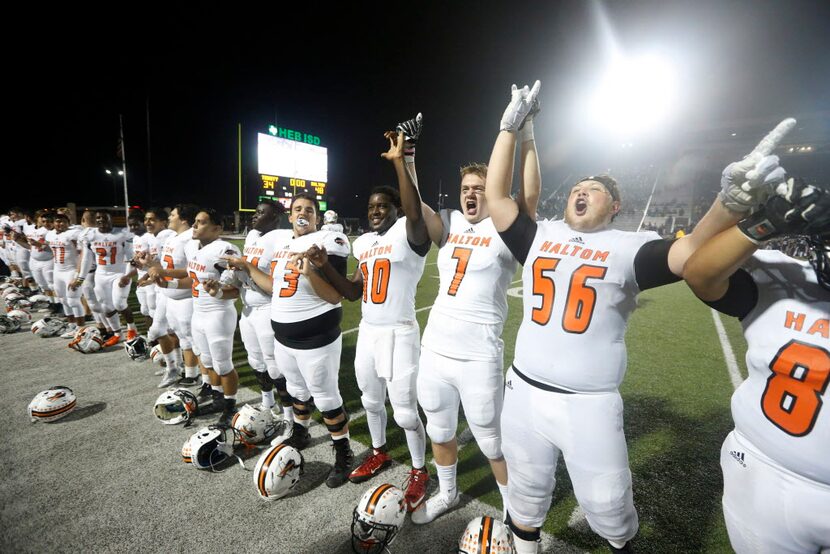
x=634 y=96
x=108 y=172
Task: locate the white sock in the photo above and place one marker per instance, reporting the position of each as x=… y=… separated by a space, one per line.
x=340 y=437
x=230 y=397
x=179 y=359
x=616 y=544
x=446 y=480
x=205 y=379
x=304 y=422
x=268 y=399
x=131 y=327
x=377 y=426
x=114 y=323
x=191 y=371
x=416 y=440
x=503 y=491
x=287 y=413
x=218 y=388
x=170 y=360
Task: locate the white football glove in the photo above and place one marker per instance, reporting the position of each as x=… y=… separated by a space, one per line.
x=746 y=184
x=521 y=103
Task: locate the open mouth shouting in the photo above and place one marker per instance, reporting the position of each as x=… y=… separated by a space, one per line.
x=580 y=206
x=471 y=206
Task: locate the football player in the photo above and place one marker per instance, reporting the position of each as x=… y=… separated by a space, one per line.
x=86 y=281
x=166 y=271
x=462 y=352
x=160 y=332
x=305 y=317
x=141 y=244
x=41 y=261
x=64 y=245
x=22 y=251
x=214 y=313
x=391 y=260
x=255 y=321
x=580 y=281
x=775 y=467
x=109 y=251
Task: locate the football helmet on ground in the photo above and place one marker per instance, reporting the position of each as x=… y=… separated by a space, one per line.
x=486 y=535
x=8 y=324
x=88 y=340
x=137 y=349
x=277 y=471
x=48 y=327
x=212 y=446
x=52 y=404
x=254 y=425
x=40 y=301
x=377 y=518
x=176 y=406
x=20 y=315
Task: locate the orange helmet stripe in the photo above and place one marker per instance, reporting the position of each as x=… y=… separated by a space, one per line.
x=263 y=469
x=486 y=534
x=373 y=500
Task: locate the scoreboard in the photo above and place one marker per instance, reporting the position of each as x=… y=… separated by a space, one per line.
x=288 y=162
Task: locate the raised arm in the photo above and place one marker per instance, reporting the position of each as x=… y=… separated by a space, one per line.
x=503 y=209
x=416 y=228
x=531 y=175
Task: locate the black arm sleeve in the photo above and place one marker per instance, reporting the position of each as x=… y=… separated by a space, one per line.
x=740 y=298
x=339 y=263
x=651 y=265
x=422 y=249
x=519 y=236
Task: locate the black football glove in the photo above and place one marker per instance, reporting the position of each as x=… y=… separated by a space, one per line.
x=794 y=209
x=411 y=129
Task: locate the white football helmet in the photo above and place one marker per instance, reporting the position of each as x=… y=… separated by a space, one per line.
x=40 y=301
x=137 y=349
x=253 y=425
x=377 y=518
x=48 y=327
x=277 y=471
x=88 y=340
x=11 y=295
x=176 y=406
x=5 y=284
x=8 y=324
x=211 y=446
x=8 y=291
x=486 y=535
x=156 y=355
x=20 y=315
x=20 y=304
x=52 y=404
x=330 y=216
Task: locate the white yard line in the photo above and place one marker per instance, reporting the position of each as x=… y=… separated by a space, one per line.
x=728 y=353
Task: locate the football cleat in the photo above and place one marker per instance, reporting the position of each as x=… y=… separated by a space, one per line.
x=343 y=460
x=171 y=375
x=416 y=488
x=374 y=462
x=189 y=381
x=131 y=334
x=298 y=437
x=434 y=507
x=112 y=341
x=71 y=331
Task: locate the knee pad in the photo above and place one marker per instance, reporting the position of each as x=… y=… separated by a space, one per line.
x=155 y=331
x=372 y=404
x=223 y=368
x=406 y=418
x=121 y=305
x=145 y=310
x=335 y=413
x=256 y=364
x=439 y=435
x=609 y=505
x=185 y=343
x=264 y=380
x=490 y=447
x=204 y=357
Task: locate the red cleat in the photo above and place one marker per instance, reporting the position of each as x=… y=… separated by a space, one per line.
x=131 y=334
x=372 y=464
x=415 y=488
x=112 y=341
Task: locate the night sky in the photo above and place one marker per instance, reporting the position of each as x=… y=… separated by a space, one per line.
x=348 y=73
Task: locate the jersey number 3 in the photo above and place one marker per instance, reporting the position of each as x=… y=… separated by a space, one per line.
x=581 y=298
x=792 y=397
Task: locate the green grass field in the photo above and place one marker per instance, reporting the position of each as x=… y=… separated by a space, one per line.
x=676 y=394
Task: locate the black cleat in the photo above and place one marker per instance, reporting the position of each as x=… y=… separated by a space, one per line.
x=228 y=411
x=626 y=549
x=299 y=438
x=189 y=382
x=205 y=392
x=343 y=461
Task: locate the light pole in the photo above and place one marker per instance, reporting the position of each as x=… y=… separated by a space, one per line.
x=112 y=174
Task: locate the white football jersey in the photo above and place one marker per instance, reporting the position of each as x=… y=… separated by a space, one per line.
x=336 y=227
x=391 y=271
x=259 y=251
x=172 y=256
x=201 y=266
x=141 y=245
x=65 y=248
x=42 y=252
x=578 y=290
x=293 y=297
x=783 y=407
x=155 y=244
x=109 y=251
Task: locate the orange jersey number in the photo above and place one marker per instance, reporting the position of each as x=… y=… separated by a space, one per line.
x=792 y=397
x=194 y=286
x=168 y=260
x=380 y=284
x=580 y=300
x=60 y=253
x=462 y=257
x=102 y=255
x=292 y=276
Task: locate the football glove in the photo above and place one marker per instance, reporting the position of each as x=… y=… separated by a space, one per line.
x=411 y=129
x=526 y=129
x=794 y=209
x=521 y=103
x=747 y=184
